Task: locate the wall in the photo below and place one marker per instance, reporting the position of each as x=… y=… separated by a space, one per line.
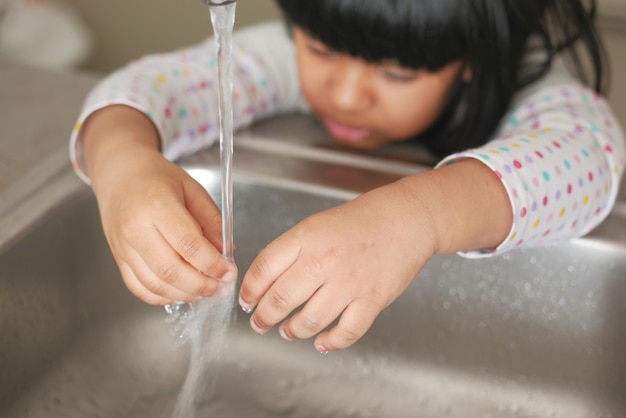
x=126 y=29
x=612 y=24
x=615 y=41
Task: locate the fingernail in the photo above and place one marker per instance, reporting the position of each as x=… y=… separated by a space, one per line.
x=321 y=349
x=256 y=329
x=244 y=306
x=284 y=335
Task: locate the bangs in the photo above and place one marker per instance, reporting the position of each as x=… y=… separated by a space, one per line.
x=418 y=34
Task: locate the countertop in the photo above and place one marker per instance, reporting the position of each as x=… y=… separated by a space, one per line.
x=38 y=109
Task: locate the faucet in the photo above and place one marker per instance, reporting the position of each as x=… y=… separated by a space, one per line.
x=212 y=3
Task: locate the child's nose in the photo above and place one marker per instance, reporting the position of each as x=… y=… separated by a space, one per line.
x=351 y=87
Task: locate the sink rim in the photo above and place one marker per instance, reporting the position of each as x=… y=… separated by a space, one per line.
x=53 y=181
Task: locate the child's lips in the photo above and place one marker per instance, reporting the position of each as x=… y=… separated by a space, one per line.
x=346 y=133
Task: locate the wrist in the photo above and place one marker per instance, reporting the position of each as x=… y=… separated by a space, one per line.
x=113 y=132
x=406 y=216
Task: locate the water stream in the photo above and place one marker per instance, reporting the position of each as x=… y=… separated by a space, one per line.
x=205 y=323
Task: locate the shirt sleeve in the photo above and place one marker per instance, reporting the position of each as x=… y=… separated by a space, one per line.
x=560 y=156
x=178 y=90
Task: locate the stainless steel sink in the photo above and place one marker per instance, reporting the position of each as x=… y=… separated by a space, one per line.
x=539 y=333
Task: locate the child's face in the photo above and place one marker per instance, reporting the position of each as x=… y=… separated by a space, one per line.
x=369 y=105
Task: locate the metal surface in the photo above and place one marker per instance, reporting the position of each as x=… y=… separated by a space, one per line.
x=537 y=333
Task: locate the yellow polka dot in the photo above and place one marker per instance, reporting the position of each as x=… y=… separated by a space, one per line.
x=536 y=224
x=515 y=145
x=161 y=78
x=533 y=136
x=562 y=212
x=77 y=126
x=185 y=72
x=547 y=129
x=513 y=236
x=607 y=189
x=494 y=151
x=586 y=200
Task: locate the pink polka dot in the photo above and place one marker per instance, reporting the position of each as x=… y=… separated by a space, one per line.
x=545 y=200
x=523 y=212
x=517 y=164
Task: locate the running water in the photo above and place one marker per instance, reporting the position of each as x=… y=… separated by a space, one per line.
x=205 y=323
x=223 y=19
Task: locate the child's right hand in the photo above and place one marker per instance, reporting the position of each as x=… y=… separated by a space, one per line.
x=163 y=228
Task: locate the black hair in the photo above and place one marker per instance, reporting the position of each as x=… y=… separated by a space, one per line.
x=490 y=36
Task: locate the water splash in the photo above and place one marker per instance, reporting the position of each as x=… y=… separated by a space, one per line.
x=207 y=327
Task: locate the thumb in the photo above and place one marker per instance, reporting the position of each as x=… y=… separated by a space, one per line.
x=205 y=211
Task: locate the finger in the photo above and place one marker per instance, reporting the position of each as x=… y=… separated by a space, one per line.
x=284 y=296
x=318 y=313
x=138 y=289
x=204 y=210
x=169 y=267
x=275 y=259
x=353 y=324
x=185 y=236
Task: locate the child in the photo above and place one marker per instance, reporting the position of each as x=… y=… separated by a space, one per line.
x=534 y=156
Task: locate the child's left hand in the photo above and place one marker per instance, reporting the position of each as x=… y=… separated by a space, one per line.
x=350 y=262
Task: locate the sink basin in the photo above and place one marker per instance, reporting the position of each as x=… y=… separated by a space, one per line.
x=536 y=333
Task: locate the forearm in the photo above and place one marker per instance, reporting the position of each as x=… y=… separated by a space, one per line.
x=113 y=134
x=560 y=157
x=466 y=203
